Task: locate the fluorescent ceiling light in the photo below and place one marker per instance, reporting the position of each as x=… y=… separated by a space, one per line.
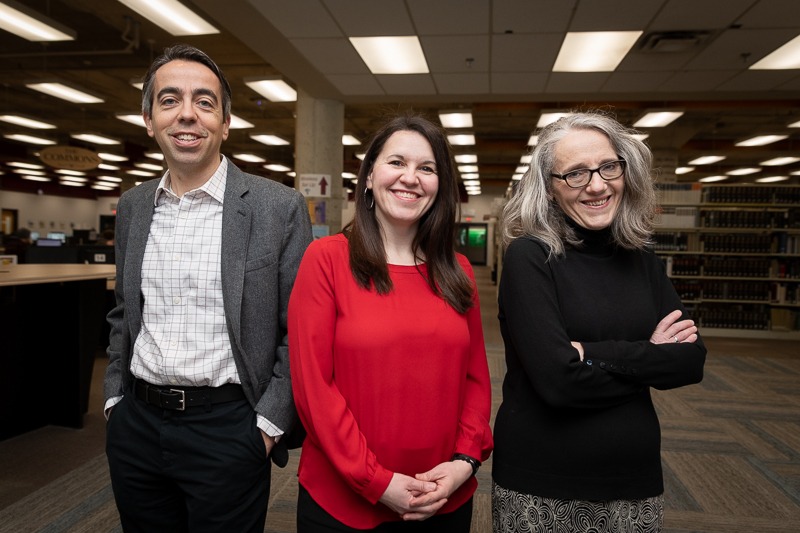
x=150 y=166
x=349 y=176
x=29 y=171
x=469 y=183
x=361 y=156
x=111 y=157
x=59 y=90
x=533 y=140
x=238 y=123
x=657 y=119
x=273 y=89
x=466 y=158
x=707 y=160
x=779 y=161
x=132 y=118
x=30 y=139
x=171 y=16
x=795 y=124
x=114 y=179
x=712 y=179
x=761 y=140
x=772 y=179
x=683 y=170
x=154 y=155
x=468 y=168
x=20 y=164
x=138 y=83
x=743 y=171
x=548 y=117
x=34 y=178
x=640 y=136
x=71 y=183
x=517 y=177
x=250 y=158
x=277 y=168
x=456 y=119
x=94 y=138
x=526 y=159
x=594 y=51
x=271 y=140
x=349 y=140
x=521 y=169
x=142 y=173
x=26 y=122
x=28 y=24
x=474 y=193
x=68 y=172
x=784 y=58
x=462 y=139
x=101 y=187
x=106 y=166
x=77 y=179
x=391 y=55
x=470 y=176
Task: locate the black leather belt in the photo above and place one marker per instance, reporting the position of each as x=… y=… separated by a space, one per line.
x=180 y=398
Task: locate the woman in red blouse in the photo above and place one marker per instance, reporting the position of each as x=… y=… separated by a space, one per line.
x=387 y=354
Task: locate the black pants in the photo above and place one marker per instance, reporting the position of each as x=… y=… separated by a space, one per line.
x=193 y=470
x=311 y=518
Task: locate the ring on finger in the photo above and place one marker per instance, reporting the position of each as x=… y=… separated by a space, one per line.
x=676 y=338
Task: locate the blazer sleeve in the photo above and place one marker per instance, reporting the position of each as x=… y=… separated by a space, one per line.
x=119 y=336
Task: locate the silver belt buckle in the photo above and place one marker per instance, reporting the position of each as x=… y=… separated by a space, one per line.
x=182 y=400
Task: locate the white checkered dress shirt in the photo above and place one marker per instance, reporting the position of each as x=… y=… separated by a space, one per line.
x=184 y=338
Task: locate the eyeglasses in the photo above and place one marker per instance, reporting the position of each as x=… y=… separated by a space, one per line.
x=581 y=177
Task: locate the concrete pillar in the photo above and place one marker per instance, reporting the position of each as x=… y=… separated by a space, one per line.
x=318 y=159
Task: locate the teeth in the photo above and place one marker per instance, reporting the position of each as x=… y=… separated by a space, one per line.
x=598 y=203
x=406 y=195
x=187 y=137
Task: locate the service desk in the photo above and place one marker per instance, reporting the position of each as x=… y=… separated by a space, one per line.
x=51 y=316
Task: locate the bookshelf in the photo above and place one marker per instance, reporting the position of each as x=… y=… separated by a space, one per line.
x=733 y=254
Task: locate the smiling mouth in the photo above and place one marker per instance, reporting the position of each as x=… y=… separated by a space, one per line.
x=405 y=195
x=597 y=203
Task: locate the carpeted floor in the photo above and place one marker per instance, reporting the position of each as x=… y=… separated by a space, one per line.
x=731 y=451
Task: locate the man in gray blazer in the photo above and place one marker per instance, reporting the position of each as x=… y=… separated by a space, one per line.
x=198 y=393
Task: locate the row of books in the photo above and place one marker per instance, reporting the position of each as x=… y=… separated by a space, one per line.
x=679 y=193
x=777 y=243
x=749 y=194
x=732 y=267
x=789 y=218
x=757 y=291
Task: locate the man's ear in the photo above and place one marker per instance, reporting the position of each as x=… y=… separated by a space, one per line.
x=148 y=122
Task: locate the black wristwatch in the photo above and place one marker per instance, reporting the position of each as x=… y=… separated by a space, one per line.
x=474 y=463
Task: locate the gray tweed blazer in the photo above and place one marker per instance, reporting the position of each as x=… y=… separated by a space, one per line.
x=265 y=231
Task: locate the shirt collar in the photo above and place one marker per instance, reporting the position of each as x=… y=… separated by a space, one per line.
x=214 y=187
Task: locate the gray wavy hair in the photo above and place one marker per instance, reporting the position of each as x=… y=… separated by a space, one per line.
x=534 y=211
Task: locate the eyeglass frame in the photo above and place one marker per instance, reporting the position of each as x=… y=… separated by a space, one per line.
x=622 y=162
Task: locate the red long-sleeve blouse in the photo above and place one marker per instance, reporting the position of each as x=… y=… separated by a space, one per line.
x=382 y=383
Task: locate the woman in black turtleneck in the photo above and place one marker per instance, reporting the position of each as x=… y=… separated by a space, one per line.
x=590 y=323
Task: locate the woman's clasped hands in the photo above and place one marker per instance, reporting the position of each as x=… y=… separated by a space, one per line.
x=420 y=497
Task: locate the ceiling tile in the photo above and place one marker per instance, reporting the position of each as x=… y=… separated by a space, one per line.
x=735 y=48
x=633 y=82
x=698 y=15
x=331 y=56
x=356 y=85
x=367 y=18
x=525 y=53
x=758 y=80
x=576 y=82
x=613 y=15
x=696 y=81
x=298 y=18
x=450 y=17
x=524 y=16
x=407 y=84
x=770 y=13
x=453 y=53
x=518 y=82
x=477 y=83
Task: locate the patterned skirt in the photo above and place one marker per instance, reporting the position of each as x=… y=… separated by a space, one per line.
x=515 y=512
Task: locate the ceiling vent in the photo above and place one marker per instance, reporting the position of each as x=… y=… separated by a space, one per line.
x=673 y=42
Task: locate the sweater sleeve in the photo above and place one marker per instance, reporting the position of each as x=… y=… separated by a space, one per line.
x=474 y=436
x=536 y=336
x=661 y=366
x=321 y=406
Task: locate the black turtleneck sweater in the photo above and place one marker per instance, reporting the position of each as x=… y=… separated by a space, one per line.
x=585 y=430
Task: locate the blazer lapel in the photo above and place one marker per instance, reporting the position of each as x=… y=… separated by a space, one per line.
x=236 y=220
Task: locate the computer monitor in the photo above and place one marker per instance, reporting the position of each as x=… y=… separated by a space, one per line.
x=60 y=235
x=49 y=242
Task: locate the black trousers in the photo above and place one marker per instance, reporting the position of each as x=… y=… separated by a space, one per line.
x=311 y=518
x=188 y=471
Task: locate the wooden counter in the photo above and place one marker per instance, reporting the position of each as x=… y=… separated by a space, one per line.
x=51 y=317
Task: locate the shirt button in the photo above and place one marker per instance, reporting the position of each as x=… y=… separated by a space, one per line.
x=176 y=257
x=176 y=300
x=173 y=343
x=602 y=365
x=589 y=362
